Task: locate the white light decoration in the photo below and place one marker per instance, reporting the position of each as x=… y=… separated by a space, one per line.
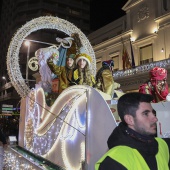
x=45 y=130
x=155 y=30
x=132 y=39
x=14 y=161
x=58 y=133
x=33 y=63
x=46 y=22
x=72 y=120
x=27 y=43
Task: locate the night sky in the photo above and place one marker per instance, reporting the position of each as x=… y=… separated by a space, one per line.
x=105 y=11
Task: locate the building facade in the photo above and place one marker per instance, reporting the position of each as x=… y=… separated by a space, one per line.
x=145 y=27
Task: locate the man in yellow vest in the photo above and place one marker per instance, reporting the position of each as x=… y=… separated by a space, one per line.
x=132 y=144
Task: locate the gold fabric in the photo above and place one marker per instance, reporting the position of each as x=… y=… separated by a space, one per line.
x=62 y=74
x=107 y=85
x=76 y=77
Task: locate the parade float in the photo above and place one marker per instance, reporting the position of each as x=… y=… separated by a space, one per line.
x=72 y=132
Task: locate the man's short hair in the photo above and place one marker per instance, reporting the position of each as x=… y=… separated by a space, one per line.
x=129 y=103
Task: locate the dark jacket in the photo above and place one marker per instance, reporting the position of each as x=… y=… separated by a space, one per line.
x=2 y=138
x=147 y=146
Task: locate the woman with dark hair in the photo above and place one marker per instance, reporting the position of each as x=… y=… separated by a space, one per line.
x=82 y=74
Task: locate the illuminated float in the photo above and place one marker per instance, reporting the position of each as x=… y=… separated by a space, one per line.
x=73 y=132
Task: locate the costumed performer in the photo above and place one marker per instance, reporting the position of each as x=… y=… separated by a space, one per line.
x=157 y=85
x=82 y=75
x=64 y=73
x=104 y=78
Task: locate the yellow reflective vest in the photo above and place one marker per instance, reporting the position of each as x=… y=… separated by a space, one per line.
x=132 y=160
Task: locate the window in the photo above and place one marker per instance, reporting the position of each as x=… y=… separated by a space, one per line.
x=165 y=5
x=146 y=54
x=73 y=11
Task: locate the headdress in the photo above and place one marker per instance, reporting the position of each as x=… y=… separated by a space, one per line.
x=71 y=56
x=158 y=73
x=83 y=55
x=108 y=63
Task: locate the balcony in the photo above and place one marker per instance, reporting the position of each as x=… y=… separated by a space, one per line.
x=8 y=92
x=131 y=79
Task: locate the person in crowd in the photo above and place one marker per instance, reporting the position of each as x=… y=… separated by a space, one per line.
x=104 y=78
x=157 y=84
x=3 y=145
x=82 y=74
x=132 y=144
x=3 y=141
x=64 y=73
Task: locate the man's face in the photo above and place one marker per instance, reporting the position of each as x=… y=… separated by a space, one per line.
x=70 y=62
x=145 y=120
x=82 y=63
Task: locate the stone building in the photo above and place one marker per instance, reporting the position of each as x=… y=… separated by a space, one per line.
x=146 y=27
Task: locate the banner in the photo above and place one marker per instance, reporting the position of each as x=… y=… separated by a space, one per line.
x=125 y=58
x=132 y=55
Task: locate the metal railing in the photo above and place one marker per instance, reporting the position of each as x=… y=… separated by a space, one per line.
x=142 y=68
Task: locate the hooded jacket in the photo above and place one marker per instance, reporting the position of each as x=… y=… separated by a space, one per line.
x=147 y=146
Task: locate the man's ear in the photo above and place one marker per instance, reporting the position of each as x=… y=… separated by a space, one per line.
x=129 y=120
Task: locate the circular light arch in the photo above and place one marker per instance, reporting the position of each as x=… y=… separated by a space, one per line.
x=45 y=22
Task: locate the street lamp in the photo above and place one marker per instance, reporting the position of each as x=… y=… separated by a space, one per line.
x=27 y=43
x=4 y=78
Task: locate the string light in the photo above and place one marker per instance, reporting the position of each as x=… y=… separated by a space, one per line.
x=61 y=129
x=45 y=22
x=38 y=137
x=14 y=161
